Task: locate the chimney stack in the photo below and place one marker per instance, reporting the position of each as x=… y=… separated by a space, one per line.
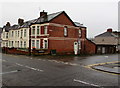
x=109 y=30
x=8 y=24
x=43 y=14
x=20 y=21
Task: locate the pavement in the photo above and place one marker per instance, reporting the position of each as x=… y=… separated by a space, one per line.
x=108 y=67
x=20 y=70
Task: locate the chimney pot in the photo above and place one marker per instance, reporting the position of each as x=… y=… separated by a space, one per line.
x=20 y=21
x=43 y=14
x=8 y=24
x=109 y=30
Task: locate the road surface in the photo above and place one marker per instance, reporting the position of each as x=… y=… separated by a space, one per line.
x=20 y=70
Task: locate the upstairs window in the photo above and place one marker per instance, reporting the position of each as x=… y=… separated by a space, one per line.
x=18 y=33
x=25 y=33
x=12 y=33
x=21 y=33
x=15 y=33
x=9 y=34
x=65 y=31
x=6 y=35
x=79 y=33
x=38 y=30
x=45 y=29
x=33 y=30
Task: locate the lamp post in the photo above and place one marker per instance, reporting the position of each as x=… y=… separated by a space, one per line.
x=29 y=41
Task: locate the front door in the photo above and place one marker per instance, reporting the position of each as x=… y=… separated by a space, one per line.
x=76 y=48
x=103 y=50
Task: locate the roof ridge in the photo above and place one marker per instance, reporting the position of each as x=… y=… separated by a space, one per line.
x=56 y=12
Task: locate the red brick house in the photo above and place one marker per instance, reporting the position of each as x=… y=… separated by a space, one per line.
x=61 y=34
x=53 y=33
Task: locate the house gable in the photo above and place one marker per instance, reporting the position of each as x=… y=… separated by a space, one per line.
x=62 y=18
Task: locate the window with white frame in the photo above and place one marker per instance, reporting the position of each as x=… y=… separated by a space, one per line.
x=33 y=30
x=12 y=43
x=15 y=33
x=18 y=43
x=65 y=31
x=21 y=44
x=38 y=30
x=24 y=44
x=12 y=33
x=37 y=44
x=15 y=43
x=33 y=43
x=24 y=32
x=6 y=44
x=21 y=33
x=7 y=35
x=45 y=29
x=3 y=34
x=18 y=33
x=9 y=44
x=79 y=33
x=45 y=44
x=3 y=44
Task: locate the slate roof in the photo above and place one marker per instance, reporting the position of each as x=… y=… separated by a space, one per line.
x=6 y=28
x=28 y=23
x=41 y=19
x=78 y=24
x=107 y=34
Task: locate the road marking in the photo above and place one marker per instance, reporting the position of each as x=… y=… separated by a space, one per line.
x=4 y=60
x=106 y=56
x=29 y=67
x=9 y=72
x=90 y=67
x=73 y=64
x=85 y=83
x=66 y=63
x=19 y=64
x=34 y=68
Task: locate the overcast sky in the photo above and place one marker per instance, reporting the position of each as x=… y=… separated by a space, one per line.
x=96 y=15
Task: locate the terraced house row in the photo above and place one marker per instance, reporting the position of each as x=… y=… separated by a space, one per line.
x=51 y=33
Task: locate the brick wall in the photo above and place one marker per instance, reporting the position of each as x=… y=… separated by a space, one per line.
x=62 y=19
x=62 y=46
x=90 y=47
x=55 y=31
x=15 y=51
